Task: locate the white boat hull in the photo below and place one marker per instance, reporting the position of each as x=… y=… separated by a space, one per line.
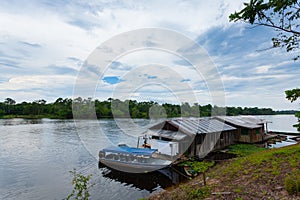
x=135 y=167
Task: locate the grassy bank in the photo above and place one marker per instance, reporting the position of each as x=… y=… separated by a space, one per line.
x=263 y=174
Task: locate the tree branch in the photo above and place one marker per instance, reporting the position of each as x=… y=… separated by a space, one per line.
x=268 y=19
x=278 y=27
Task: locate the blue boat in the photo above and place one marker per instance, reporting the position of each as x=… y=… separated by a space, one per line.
x=133 y=160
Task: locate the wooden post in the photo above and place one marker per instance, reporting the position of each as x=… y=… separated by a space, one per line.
x=204 y=178
x=138 y=142
x=262 y=137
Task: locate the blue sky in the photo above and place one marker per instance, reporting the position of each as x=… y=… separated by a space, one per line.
x=43 y=44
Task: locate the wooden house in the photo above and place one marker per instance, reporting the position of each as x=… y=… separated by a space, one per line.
x=195 y=137
x=249 y=128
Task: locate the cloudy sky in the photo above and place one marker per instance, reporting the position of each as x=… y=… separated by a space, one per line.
x=43 y=44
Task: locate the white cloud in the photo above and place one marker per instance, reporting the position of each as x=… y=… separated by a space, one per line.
x=40 y=34
x=40 y=81
x=263 y=69
x=29 y=88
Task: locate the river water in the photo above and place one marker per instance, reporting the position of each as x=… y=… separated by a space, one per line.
x=281 y=123
x=37 y=155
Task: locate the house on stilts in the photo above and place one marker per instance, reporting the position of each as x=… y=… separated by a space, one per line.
x=193 y=137
x=249 y=128
x=199 y=136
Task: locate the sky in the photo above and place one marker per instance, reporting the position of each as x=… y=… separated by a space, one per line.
x=45 y=44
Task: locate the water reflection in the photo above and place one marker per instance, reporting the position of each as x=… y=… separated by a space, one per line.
x=278 y=144
x=146 y=181
x=21 y=121
x=17 y=121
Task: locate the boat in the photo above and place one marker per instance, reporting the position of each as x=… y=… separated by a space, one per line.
x=133 y=160
x=189 y=170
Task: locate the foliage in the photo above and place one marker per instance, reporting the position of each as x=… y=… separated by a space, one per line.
x=200 y=193
x=81 y=186
x=87 y=108
x=189 y=193
x=282 y=15
x=1 y=113
x=198 y=166
x=244 y=149
x=258 y=172
x=293 y=94
x=297 y=126
x=292 y=183
x=266 y=161
x=260 y=175
x=9 y=101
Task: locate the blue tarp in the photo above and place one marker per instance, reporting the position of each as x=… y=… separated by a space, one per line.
x=130 y=150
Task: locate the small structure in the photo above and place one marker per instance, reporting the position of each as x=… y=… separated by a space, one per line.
x=249 y=128
x=194 y=137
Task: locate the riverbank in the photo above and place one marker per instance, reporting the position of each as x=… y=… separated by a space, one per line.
x=266 y=174
x=27 y=117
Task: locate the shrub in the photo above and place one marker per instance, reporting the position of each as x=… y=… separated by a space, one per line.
x=292 y=184
x=199 y=166
x=200 y=193
x=244 y=149
x=81 y=186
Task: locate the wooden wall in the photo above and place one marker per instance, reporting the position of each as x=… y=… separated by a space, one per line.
x=249 y=135
x=204 y=143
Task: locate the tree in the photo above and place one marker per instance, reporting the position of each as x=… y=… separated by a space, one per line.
x=281 y=15
x=39 y=106
x=81 y=186
x=157 y=112
x=185 y=109
x=9 y=101
x=1 y=109
x=293 y=94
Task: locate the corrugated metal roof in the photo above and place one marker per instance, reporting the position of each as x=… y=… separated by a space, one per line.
x=199 y=125
x=245 y=121
x=173 y=135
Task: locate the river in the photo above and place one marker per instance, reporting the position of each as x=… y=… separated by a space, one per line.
x=37 y=155
x=281 y=123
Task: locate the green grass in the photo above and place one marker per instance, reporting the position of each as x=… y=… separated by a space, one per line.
x=272 y=157
x=244 y=149
x=292 y=183
x=189 y=193
x=268 y=168
x=255 y=173
x=198 y=166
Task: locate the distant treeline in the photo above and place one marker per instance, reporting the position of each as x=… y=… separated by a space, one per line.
x=84 y=108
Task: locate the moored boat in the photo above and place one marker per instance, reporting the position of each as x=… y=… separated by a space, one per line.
x=133 y=160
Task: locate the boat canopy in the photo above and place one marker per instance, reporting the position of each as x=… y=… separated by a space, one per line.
x=130 y=150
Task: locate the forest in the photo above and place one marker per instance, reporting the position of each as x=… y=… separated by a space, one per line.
x=88 y=108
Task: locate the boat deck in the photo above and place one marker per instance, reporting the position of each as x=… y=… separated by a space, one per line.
x=163 y=156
